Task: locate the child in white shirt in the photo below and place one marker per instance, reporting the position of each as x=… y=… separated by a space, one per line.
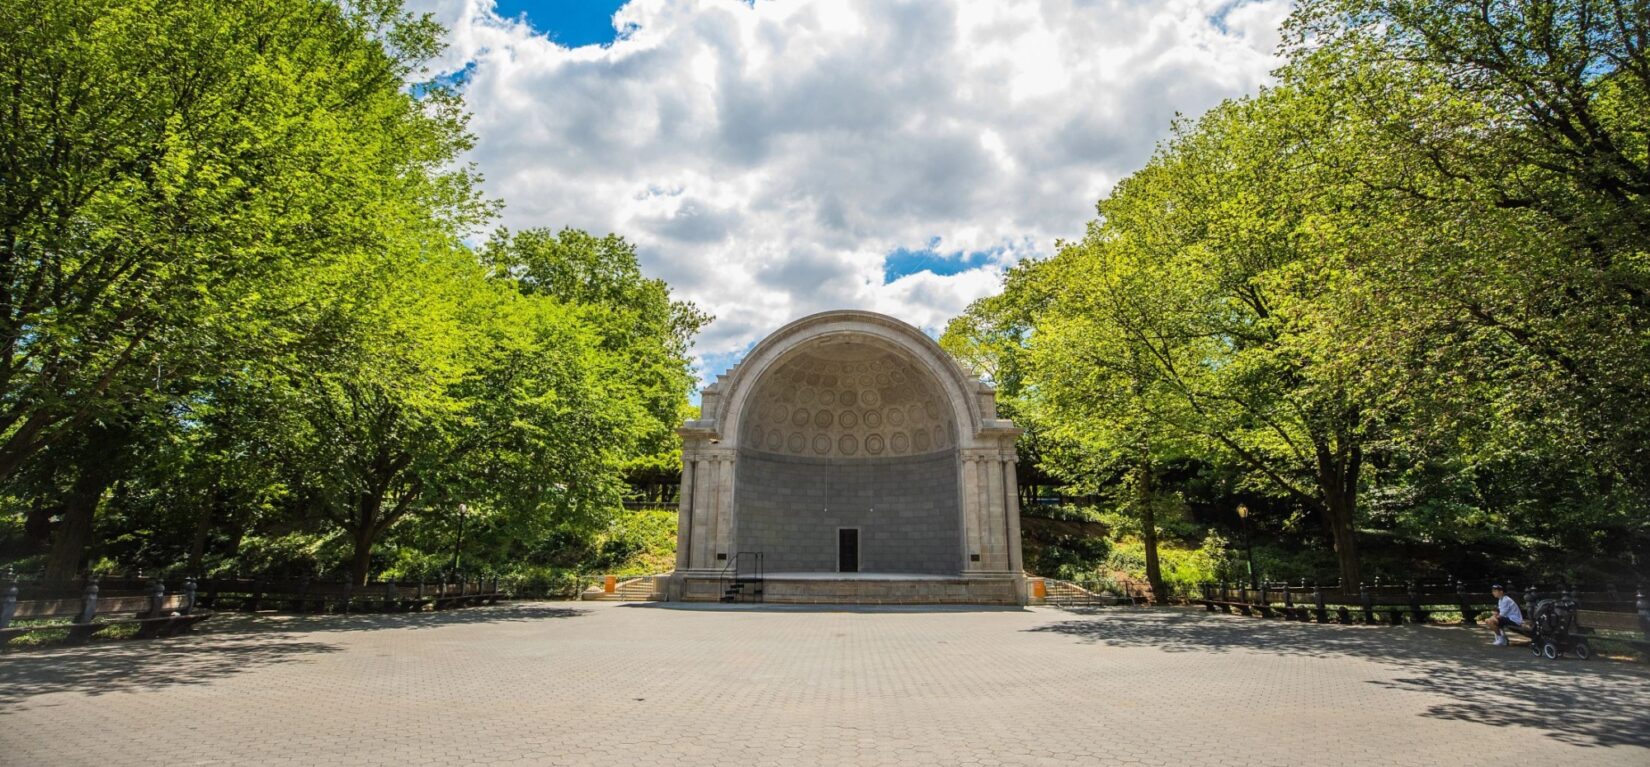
x=1506 y=614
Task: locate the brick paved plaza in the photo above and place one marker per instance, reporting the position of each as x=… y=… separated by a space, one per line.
x=610 y=683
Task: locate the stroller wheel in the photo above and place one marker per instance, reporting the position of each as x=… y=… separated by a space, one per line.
x=1582 y=651
x=1549 y=650
x=1535 y=648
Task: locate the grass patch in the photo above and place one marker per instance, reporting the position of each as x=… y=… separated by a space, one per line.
x=55 y=632
x=641 y=542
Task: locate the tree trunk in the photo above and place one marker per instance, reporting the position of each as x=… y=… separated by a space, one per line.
x=237 y=534
x=1148 y=531
x=1338 y=470
x=1339 y=513
x=37 y=525
x=361 y=567
x=203 y=528
x=366 y=523
x=75 y=531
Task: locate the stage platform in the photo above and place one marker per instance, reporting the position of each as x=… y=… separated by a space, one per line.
x=857 y=588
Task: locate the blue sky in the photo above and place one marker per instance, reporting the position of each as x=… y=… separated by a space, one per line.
x=904 y=261
x=571 y=23
x=777 y=158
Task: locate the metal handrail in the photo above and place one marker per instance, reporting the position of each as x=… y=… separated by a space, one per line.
x=737 y=576
x=1096 y=591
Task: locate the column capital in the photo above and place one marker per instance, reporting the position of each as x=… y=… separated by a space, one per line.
x=986 y=454
x=716 y=454
x=697 y=435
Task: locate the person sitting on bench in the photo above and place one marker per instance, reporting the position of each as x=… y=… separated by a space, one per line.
x=1506 y=614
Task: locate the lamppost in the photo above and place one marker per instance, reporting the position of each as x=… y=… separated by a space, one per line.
x=458 y=544
x=1248 y=543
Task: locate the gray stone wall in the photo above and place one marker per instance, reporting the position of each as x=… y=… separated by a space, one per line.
x=906 y=509
x=961 y=590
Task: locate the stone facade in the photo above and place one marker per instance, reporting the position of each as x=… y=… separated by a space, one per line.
x=851 y=419
x=904 y=507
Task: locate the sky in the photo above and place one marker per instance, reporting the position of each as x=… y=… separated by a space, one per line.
x=776 y=158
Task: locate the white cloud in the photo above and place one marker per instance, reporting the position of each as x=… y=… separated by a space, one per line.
x=765 y=158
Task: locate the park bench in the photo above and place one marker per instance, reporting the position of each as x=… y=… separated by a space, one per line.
x=346 y=597
x=314 y=596
x=1609 y=615
x=1265 y=600
x=467 y=593
x=1631 y=629
x=1371 y=605
x=155 y=613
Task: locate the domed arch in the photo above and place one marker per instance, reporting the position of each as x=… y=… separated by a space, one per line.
x=726 y=403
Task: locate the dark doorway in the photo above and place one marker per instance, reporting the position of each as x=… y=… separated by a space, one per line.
x=847 y=550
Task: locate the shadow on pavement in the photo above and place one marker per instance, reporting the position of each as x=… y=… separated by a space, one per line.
x=226 y=644
x=236 y=623
x=1586 y=703
x=142 y=665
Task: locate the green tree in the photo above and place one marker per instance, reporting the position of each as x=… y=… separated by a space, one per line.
x=1407 y=281
x=1491 y=219
x=237 y=300
x=1196 y=284
x=178 y=177
x=635 y=316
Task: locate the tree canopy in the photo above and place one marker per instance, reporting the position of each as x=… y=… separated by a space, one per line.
x=1400 y=291
x=241 y=323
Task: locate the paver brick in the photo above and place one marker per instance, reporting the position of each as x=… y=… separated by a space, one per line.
x=610 y=683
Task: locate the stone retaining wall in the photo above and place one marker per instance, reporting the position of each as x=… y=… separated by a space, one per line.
x=987 y=591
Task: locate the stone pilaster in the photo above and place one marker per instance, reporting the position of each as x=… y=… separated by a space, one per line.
x=703 y=502
x=703 y=470
x=991 y=510
x=1016 y=562
x=981 y=510
x=995 y=541
x=713 y=519
x=684 y=514
x=717 y=508
x=706 y=515
x=966 y=511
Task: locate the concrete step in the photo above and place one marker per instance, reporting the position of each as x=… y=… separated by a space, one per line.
x=631 y=590
x=1058 y=592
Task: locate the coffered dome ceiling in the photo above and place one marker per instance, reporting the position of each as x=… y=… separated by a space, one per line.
x=848 y=400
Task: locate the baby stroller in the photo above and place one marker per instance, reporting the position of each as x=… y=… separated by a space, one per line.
x=1554 y=631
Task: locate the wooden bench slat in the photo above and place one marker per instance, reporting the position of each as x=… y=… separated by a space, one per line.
x=46 y=608
x=1608 y=620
